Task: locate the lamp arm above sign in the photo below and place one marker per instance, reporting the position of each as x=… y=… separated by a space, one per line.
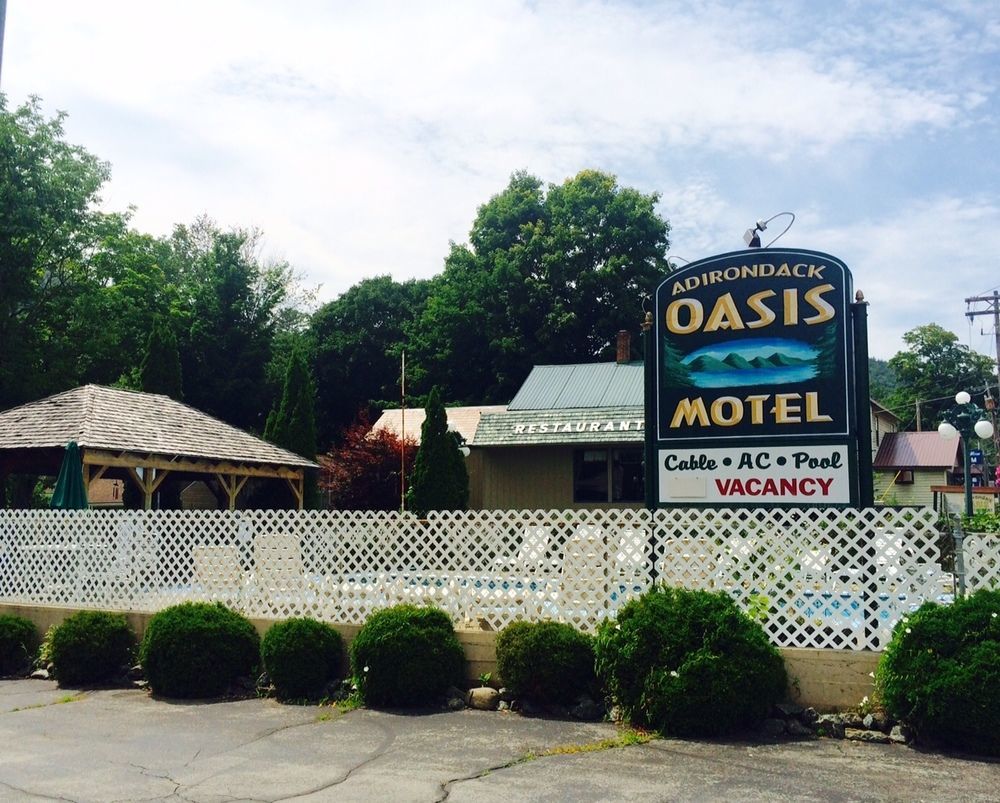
x=752 y=235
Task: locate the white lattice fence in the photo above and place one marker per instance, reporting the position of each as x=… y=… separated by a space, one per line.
x=826 y=578
x=982 y=561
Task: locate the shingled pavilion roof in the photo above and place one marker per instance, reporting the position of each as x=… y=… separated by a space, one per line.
x=128 y=421
x=124 y=429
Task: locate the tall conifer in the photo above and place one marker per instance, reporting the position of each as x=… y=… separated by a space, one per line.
x=440 y=480
x=160 y=371
x=292 y=425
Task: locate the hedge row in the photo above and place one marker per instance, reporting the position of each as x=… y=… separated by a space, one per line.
x=681 y=662
x=192 y=650
x=669 y=654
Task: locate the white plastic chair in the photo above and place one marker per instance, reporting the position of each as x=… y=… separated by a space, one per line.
x=218 y=574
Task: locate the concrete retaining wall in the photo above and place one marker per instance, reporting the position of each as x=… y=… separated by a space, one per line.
x=828 y=680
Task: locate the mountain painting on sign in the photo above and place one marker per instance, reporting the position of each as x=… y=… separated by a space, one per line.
x=763 y=361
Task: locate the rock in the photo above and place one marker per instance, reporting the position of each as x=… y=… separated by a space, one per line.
x=798 y=730
x=454 y=698
x=859 y=735
x=587 y=710
x=772 y=728
x=40 y=674
x=808 y=716
x=788 y=709
x=830 y=725
x=483 y=698
x=337 y=690
x=852 y=719
x=876 y=722
x=135 y=673
x=899 y=735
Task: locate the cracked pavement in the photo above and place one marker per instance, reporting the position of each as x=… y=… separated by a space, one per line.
x=122 y=745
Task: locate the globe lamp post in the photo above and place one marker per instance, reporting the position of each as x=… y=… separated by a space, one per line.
x=965 y=420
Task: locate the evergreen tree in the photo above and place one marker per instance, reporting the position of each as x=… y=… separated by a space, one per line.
x=293 y=424
x=440 y=480
x=675 y=374
x=160 y=371
x=828 y=357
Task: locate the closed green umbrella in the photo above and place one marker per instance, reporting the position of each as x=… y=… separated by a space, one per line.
x=70 y=493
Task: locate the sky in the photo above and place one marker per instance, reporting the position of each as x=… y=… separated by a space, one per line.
x=362 y=137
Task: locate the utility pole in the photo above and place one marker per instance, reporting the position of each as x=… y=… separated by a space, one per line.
x=992 y=308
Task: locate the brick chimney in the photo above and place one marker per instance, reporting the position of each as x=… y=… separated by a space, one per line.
x=624 y=351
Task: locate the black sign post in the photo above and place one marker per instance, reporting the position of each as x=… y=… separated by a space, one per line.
x=754 y=399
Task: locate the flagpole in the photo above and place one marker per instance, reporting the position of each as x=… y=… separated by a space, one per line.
x=402 y=439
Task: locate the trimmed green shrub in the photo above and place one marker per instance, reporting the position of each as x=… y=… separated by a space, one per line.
x=940 y=673
x=549 y=662
x=197 y=649
x=18 y=640
x=406 y=656
x=689 y=663
x=301 y=656
x=91 y=647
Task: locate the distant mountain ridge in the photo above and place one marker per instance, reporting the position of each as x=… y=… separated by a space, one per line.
x=737 y=362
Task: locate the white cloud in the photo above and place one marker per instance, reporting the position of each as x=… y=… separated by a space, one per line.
x=919 y=264
x=362 y=136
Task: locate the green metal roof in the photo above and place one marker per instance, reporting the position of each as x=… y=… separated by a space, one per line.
x=585 y=386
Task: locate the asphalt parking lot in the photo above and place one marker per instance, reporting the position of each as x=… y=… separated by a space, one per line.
x=122 y=745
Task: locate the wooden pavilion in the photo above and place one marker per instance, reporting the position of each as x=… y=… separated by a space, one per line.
x=143 y=438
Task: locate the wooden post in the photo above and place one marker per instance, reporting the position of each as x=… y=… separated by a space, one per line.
x=148 y=483
x=298 y=489
x=232 y=485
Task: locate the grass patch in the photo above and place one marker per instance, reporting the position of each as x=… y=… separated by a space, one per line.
x=628 y=737
x=66 y=698
x=329 y=710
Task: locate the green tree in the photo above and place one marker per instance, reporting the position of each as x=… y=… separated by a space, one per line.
x=160 y=371
x=48 y=223
x=932 y=369
x=118 y=303
x=882 y=379
x=549 y=276
x=440 y=480
x=292 y=424
x=357 y=340
x=231 y=303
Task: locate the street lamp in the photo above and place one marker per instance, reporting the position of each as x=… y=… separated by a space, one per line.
x=967 y=420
